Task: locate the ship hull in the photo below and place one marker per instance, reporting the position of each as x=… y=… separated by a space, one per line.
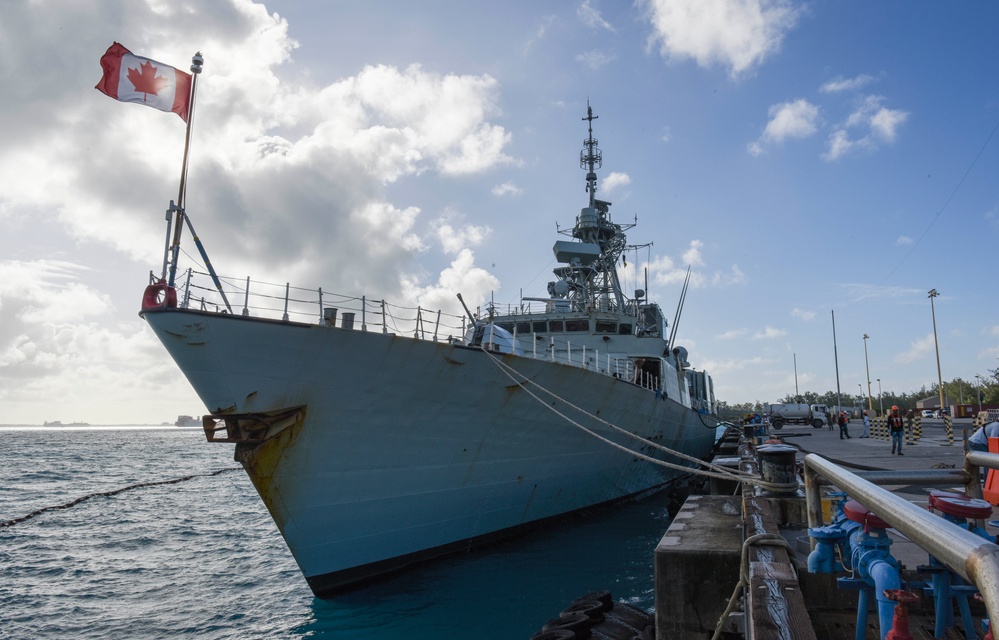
x=410 y=449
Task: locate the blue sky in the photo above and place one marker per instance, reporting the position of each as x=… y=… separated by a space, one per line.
x=801 y=157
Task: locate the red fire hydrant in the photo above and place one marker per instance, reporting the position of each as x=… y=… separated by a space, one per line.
x=900 y=625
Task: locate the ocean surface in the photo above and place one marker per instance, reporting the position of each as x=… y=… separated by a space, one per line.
x=180 y=546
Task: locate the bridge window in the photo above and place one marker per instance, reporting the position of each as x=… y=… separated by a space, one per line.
x=624 y=330
x=577 y=325
x=606 y=326
x=540 y=327
x=555 y=325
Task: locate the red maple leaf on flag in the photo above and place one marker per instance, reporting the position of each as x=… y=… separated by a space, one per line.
x=146 y=81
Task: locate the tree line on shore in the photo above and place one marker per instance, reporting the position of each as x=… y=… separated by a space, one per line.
x=983 y=391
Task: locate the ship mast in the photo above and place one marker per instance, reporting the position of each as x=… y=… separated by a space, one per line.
x=590 y=157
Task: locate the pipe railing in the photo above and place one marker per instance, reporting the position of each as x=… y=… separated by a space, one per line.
x=968 y=555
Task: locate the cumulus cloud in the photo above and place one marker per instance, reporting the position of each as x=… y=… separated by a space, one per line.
x=918 y=350
x=873 y=124
x=798 y=119
x=769 y=333
x=60 y=351
x=614 y=180
x=506 y=189
x=455 y=239
x=290 y=177
x=737 y=34
x=802 y=314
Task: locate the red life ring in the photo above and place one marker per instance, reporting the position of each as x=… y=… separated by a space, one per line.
x=159 y=295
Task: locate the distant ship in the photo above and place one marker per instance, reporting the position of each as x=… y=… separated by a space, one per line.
x=377 y=448
x=188 y=421
x=56 y=423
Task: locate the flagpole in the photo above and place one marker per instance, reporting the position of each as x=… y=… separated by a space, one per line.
x=196 y=62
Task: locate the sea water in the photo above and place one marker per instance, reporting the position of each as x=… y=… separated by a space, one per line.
x=182 y=547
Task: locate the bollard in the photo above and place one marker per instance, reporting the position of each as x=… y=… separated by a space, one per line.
x=950 y=432
x=777 y=462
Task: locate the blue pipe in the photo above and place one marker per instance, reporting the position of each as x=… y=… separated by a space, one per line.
x=885 y=575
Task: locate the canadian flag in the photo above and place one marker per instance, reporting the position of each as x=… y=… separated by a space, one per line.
x=132 y=78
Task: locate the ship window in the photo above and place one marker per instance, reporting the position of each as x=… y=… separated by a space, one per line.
x=606 y=326
x=555 y=325
x=523 y=327
x=505 y=325
x=540 y=327
x=624 y=330
x=577 y=325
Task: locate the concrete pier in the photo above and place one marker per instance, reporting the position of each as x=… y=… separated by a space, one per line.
x=700 y=559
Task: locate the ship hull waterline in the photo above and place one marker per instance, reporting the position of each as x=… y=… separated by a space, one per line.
x=410 y=449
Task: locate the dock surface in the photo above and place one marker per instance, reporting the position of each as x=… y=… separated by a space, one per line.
x=700 y=551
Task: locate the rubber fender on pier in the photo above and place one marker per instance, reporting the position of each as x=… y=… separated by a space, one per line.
x=560 y=634
x=598 y=617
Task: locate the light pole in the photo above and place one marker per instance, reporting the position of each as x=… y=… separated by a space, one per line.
x=933 y=294
x=860 y=405
x=870 y=401
x=979 y=378
x=881 y=401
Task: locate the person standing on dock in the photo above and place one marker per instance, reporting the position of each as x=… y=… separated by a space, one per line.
x=979 y=440
x=867 y=426
x=843 y=430
x=896 y=427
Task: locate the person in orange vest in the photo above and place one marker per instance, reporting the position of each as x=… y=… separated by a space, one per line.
x=896 y=427
x=844 y=431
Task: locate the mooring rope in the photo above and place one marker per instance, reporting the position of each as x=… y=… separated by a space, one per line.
x=717 y=472
x=37 y=512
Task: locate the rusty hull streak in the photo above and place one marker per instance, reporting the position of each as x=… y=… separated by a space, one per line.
x=260 y=463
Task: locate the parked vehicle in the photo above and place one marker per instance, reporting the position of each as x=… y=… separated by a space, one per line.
x=927 y=413
x=798 y=413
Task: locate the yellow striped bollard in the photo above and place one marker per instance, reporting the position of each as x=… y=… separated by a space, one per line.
x=950 y=432
x=918 y=428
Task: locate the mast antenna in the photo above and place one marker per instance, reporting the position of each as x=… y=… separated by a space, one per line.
x=590 y=158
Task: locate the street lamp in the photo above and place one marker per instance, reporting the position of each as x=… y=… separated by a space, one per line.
x=870 y=401
x=933 y=294
x=860 y=405
x=881 y=400
x=979 y=378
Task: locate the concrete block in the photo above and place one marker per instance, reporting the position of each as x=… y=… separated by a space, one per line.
x=697 y=566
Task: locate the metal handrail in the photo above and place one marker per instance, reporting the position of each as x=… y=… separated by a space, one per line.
x=963 y=552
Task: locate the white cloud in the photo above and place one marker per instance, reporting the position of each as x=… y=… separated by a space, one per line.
x=614 y=180
x=903 y=240
x=769 y=333
x=692 y=256
x=732 y=334
x=506 y=189
x=849 y=84
x=918 y=350
x=801 y=314
x=591 y=17
x=798 y=119
x=733 y=276
x=876 y=124
x=454 y=240
x=595 y=60
x=738 y=34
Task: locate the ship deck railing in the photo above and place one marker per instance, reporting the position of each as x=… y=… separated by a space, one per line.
x=289 y=303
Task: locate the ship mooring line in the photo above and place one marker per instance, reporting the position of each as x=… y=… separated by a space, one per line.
x=38 y=512
x=719 y=473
